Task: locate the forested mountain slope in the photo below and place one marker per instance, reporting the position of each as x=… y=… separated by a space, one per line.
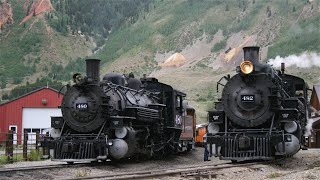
x=45 y=41
x=187 y=43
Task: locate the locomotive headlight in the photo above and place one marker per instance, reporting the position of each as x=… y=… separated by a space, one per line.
x=290 y=127
x=246 y=67
x=55 y=133
x=213 y=128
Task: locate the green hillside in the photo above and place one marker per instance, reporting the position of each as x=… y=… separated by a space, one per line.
x=51 y=46
x=172 y=25
x=138 y=36
x=300 y=37
x=175 y=26
x=15 y=45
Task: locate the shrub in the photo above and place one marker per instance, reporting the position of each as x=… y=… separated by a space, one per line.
x=34 y=156
x=218 y=46
x=274 y=175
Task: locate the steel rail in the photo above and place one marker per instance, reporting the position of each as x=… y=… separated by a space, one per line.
x=33 y=168
x=166 y=172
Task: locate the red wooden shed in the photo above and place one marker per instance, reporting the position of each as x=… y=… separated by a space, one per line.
x=30 y=112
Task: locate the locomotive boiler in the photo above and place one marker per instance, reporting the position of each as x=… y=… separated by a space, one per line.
x=110 y=119
x=261 y=115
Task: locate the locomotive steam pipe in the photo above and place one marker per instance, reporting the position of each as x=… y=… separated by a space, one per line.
x=93 y=70
x=282 y=68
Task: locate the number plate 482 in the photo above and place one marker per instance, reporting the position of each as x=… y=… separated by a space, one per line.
x=247 y=98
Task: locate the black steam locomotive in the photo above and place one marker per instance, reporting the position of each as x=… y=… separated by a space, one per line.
x=110 y=120
x=261 y=115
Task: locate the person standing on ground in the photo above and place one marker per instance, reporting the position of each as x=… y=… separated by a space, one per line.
x=206 y=151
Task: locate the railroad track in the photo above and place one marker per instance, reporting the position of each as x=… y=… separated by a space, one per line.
x=55 y=166
x=207 y=170
x=42 y=167
x=32 y=168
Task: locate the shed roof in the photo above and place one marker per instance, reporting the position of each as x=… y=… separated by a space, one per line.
x=27 y=94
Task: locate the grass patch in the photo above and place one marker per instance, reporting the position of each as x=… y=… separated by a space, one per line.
x=34 y=156
x=274 y=175
x=15 y=158
x=218 y=46
x=82 y=173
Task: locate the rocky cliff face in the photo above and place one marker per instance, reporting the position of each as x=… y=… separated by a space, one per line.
x=6 y=15
x=37 y=7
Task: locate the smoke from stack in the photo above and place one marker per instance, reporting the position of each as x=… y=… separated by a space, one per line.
x=304 y=60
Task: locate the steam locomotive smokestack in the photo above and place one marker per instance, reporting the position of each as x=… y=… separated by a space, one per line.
x=93 y=70
x=251 y=54
x=283 y=67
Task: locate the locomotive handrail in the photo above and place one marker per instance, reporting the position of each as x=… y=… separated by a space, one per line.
x=252 y=131
x=61 y=90
x=62 y=128
x=219 y=82
x=279 y=81
x=142 y=91
x=271 y=126
x=281 y=84
x=101 y=129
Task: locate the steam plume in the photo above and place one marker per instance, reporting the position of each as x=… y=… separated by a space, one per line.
x=309 y=125
x=311 y=120
x=304 y=60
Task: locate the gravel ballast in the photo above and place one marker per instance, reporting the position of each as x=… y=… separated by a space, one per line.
x=304 y=165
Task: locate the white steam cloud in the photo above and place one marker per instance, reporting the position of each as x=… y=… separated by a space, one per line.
x=309 y=125
x=315 y=116
x=304 y=60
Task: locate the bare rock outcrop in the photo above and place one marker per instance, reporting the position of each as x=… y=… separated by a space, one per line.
x=6 y=15
x=37 y=7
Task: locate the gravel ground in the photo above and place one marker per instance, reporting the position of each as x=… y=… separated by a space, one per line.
x=304 y=165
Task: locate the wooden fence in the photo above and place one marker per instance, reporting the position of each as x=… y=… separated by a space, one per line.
x=22 y=147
